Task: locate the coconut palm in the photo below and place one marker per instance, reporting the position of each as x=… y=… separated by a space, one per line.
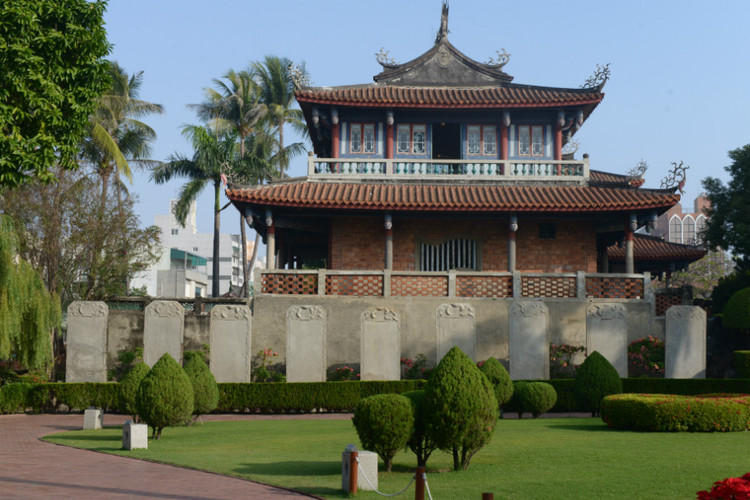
x=234 y=105
x=214 y=155
x=277 y=95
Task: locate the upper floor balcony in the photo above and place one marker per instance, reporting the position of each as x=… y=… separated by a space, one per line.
x=527 y=170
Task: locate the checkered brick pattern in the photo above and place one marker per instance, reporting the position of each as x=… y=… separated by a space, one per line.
x=666 y=300
x=289 y=284
x=358 y=285
x=548 y=287
x=419 y=286
x=614 y=288
x=484 y=286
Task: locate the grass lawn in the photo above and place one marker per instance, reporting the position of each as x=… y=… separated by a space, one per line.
x=560 y=458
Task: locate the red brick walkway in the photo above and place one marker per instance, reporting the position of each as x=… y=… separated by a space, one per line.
x=33 y=469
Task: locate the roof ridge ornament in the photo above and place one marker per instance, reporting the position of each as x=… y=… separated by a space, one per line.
x=636 y=173
x=299 y=75
x=598 y=79
x=570 y=148
x=384 y=58
x=675 y=178
x=502 y=59
x=442 y=33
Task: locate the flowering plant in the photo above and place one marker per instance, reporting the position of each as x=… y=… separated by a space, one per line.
x=561 y=360
x=343 y=373
x=731 y=488
x=264 y=372
x=414 y=369
x=646 y=357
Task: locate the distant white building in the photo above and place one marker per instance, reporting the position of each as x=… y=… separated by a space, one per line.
x=187 y=241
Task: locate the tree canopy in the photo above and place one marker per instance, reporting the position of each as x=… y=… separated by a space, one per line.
x=728 y=224
x=53 y=71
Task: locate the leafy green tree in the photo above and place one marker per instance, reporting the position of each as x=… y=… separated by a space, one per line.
x=704 y=274
x=420 y=442
x=165 y=395
x=727 y=287
x=462 y=407
x=52 y=73
x=595 y=378
x=737 y=311
x=384 y=424
x=205 y=389
x=214 y=155
x=499 y=378
x=277 y=95
x=128 y=390
x=728 y=223
x=28 y=313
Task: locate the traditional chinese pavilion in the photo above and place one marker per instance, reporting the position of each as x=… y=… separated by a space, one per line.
x=442 y=206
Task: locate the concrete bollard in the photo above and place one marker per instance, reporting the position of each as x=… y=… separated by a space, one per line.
x=92 y=419
x=366 y=464
x=134 y=436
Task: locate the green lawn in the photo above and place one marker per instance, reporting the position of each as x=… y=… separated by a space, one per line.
x=560 y=458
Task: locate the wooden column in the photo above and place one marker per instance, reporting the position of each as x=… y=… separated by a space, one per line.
x=389 y=135
x=504 y=152
x=629 y=251
x=388 y=242
x=335 y=134
x=270 y=241
x=513 y=227
x=559 y=124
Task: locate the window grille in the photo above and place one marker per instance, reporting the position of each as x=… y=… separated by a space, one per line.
x=453 y=254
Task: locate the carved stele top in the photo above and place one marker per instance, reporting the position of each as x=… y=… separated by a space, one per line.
x=165 y=309
x=230 y=313
x=87 y=309
x=693 y=313
x=607 y=311
x=305 y=313
x=529 y=309
x=380 y=314
x=455 y=311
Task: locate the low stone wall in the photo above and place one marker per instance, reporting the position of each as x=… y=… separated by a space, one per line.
x=314 y=333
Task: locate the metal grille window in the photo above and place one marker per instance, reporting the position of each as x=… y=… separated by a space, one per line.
x=460 y=253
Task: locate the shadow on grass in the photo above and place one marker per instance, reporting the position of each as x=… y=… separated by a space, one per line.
x=76 y=437
x=581 y=426
x=291 y=468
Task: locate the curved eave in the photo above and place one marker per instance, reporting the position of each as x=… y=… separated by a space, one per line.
x=493 y=105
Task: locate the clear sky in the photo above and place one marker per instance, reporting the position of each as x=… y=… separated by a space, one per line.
x=679 y=89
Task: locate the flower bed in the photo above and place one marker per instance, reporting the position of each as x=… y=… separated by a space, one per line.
x=669 y=412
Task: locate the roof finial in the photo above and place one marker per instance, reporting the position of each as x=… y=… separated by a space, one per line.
x=443 y=31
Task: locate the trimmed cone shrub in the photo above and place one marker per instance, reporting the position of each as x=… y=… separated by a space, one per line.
x=537 y=398
x=500 y=380
x=462 y=407
x=514 y=404
x=595 y=379
x=128 y=390
x=384 y=424
x=419 y=442
x=165 y=396
x=736 y=313
x=205 y=389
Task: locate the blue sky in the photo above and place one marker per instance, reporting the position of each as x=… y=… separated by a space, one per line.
x=679 y=90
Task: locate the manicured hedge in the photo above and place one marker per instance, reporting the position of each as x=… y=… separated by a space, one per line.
x=685 y=386
x=48 y=398
x=304 y=397
x=669 y=413
x=742 y=363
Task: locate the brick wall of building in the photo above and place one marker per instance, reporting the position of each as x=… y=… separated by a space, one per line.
x=358 y=243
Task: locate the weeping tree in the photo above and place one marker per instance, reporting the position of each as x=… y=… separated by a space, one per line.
x=28 y=312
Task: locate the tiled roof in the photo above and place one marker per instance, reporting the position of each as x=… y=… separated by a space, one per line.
x=452 y=197
x=654 y=248
x=507 y=96
x=603 y=178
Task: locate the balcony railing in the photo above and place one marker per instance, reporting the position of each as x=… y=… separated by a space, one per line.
x=528 y=170
x=453 y=284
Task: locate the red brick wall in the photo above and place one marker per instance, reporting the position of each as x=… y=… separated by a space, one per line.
x=358 y=243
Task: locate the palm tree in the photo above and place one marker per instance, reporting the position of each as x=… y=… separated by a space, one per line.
x=214 y=155
x=277 y=95
x=116 y=133
x=234 y=105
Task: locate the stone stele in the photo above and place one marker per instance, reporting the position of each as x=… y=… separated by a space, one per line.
x=456 y=327
x=685 y=343
x=163 y=331
x=231 y=334
x=607 y=333
x=86 y=359
x=380 y=345
x=306 y=344
x=528 y=341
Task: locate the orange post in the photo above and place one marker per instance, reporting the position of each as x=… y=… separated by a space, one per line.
x=353 y=472
x=419 y=484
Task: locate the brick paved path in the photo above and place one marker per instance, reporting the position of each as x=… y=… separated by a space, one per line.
x=33 y=469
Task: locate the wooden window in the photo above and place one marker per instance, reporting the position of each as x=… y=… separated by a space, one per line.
x=473 y=139
x=481 y=140
x=530 y=140
x=411 y=139
x=355 y=138
x=458 y=253
x=369 y=138
x=489 y=140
